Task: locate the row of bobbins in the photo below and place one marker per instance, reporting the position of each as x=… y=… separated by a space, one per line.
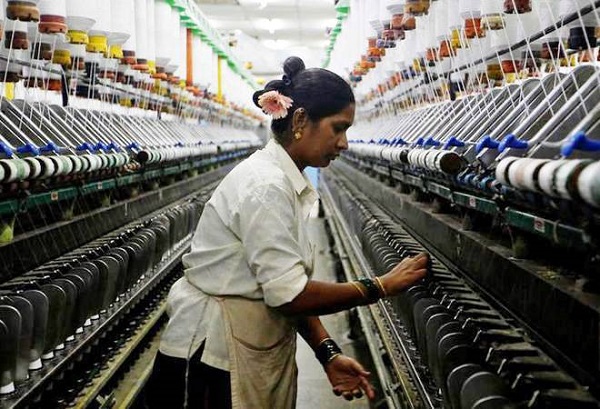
x=432 y=159
x=436 y=160
x=42 y=167
x=572 y=179
x=167 y=154
x=30 y=168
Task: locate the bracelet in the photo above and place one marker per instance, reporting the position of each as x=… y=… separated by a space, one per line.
x=373 y=291
x=359 y=288
x=381 y=287
x=327 y=350
x=332 y=357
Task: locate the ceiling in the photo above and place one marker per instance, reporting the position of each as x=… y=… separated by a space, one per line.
x=268 y=31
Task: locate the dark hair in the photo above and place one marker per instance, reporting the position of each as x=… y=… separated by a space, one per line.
x=320 y=92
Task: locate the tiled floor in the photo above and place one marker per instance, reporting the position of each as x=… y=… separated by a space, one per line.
x=314 y=390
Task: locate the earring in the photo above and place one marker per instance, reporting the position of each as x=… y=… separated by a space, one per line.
x=297 y=135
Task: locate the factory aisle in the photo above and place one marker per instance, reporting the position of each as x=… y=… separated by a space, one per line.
x=314 y=390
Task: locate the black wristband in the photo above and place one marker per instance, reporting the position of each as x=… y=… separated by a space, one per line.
x=327 y=350
x=373 y=291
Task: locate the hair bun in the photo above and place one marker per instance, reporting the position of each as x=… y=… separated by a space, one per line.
x=293 y=66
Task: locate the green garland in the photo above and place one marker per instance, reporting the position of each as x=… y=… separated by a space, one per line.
x=343 y=9
x=202 y=28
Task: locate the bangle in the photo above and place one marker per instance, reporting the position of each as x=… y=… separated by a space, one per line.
x=373 y=291
x=381 y=287
x=359 y=288
x=327 y=350
x=332 y=357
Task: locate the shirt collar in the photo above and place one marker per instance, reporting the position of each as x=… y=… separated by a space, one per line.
x=298 y=179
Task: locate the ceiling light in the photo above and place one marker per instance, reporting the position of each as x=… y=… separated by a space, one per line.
x=259 y=4
x=270 y=25
x=276 y=44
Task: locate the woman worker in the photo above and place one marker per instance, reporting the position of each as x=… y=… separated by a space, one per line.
x=247 y=288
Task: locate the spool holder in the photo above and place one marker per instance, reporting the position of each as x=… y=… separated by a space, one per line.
x=579 y=142
x=511 y=141
x=486 y=142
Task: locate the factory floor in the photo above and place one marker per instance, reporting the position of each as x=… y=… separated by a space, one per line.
x=314 y=390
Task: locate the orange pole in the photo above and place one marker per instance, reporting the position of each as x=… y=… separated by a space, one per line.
x=219 y=79
x=189 y=59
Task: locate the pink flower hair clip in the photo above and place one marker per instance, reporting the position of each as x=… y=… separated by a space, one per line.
x=275 y=104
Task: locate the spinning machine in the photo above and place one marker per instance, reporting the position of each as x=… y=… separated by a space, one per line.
x=108 y=151
x=477 y=139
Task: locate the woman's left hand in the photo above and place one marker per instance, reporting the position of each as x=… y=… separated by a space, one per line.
x=348 y=378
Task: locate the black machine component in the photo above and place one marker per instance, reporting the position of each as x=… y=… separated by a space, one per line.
x=498 y=179
x=483 y=329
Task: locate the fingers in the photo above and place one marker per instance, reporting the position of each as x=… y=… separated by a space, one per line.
x=421 y=259
x=367 y=388
x=406 y=273
x=414 y=262
x=355 y=383
x=416 y=275
x=349 y=395
x=357 y=391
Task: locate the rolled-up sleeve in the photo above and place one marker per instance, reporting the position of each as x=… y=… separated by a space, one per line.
x=269 y=233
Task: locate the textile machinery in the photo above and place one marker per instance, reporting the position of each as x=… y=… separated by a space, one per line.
x=477 y=140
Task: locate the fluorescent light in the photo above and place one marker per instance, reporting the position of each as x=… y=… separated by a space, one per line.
x=259 y=4
x=270 y=25
x=276 y=44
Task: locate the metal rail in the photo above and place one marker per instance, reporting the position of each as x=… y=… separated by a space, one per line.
x=91 y=392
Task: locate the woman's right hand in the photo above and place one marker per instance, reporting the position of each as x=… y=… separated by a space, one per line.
x=405 y=274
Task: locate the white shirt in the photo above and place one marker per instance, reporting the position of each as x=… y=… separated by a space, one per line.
x=251 y=241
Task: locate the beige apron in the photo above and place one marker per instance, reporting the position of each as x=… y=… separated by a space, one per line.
x=262 y=349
